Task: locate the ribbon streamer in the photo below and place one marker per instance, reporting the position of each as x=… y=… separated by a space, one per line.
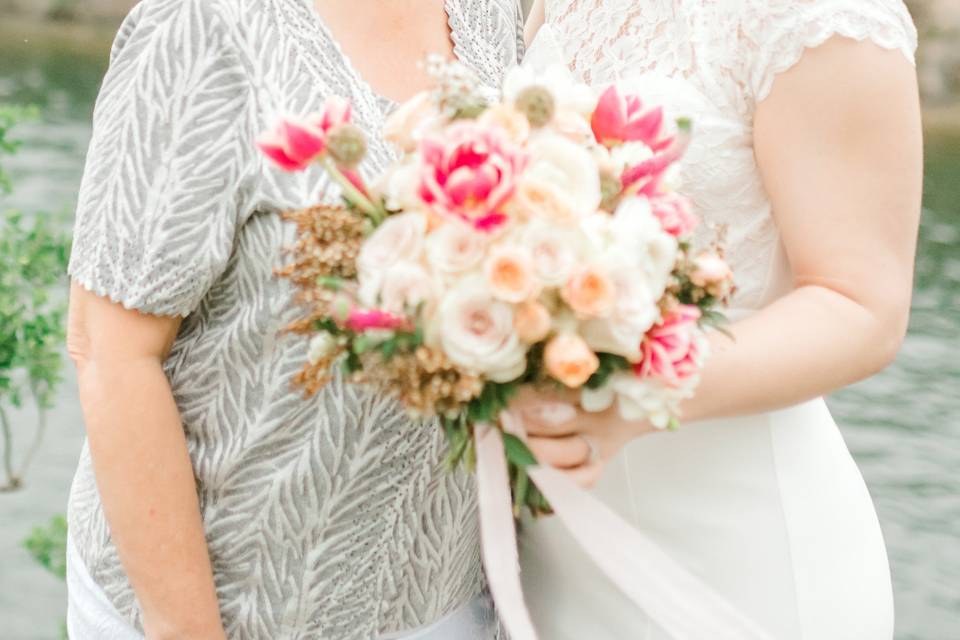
x=682 y=605
x=499 y=534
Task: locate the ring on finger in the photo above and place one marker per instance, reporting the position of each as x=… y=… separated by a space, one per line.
x=592 y=446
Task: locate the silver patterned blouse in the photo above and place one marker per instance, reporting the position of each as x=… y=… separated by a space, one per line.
x=329 y=517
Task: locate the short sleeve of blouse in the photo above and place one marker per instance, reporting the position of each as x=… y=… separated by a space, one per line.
x=776 y=33
x=169 y=161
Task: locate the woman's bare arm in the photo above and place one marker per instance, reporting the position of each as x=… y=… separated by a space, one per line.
x=840 y=148
x=142 y=468
x=535 y=20
x=839 y=144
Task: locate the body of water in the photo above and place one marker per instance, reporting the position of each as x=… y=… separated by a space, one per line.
x=903 y=425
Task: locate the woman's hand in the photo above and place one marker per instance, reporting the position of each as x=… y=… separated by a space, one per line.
x=564 y=436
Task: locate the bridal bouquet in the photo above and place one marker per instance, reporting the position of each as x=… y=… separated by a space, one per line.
x=532 y=240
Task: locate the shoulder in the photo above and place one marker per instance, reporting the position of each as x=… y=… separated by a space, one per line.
x=763 y=38
x=179 y=23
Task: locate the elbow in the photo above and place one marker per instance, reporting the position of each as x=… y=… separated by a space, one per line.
x=891 y=330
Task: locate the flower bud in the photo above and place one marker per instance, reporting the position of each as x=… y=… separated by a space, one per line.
x=347 y=145
x=537 y=104
x=610 y=187
x=322 y=346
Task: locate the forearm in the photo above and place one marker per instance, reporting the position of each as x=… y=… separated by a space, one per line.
x=810 y=343
x=149 y=496
x=534 y=21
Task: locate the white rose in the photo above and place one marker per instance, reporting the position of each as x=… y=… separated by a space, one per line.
x=645 y=399
x=399 y=238
x=635 y=231
x=554 y=251
x=455 y=247
x=635 y=310
x=569 y=169
x=476 y=332
x=399 y=185
x=405 y=286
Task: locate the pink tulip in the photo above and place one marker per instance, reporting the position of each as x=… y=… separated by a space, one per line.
x=647 y=177
x=296 y=142
x=361 y=320
x=675 y=214
x=469 y=173
x=622 y=118
x=671 y=349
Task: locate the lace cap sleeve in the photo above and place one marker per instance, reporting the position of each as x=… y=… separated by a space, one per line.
x=165 y=171
x=778 y=32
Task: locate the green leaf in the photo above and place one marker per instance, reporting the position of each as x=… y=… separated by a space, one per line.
x=609 y=364
x=48 y=546
x=517 y=452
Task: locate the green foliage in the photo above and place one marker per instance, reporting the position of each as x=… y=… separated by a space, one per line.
x=33 y=261
x=48 y=546
x=10 y=115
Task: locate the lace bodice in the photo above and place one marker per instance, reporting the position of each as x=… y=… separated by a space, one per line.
x=715 y=60
x=326 y=517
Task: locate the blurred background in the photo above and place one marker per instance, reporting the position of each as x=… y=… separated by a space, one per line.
x=903 y=426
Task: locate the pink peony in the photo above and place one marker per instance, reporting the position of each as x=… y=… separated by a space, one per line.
x=675 y=214
x=361 y=320
x=646 y=177
x=469 y=173
x=296 y=142
x=621 y=118
x=671 y=349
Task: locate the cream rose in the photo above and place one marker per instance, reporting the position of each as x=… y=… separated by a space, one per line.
x=399 y=238
x=407 y=124
x=514 y=123
x=536 y=198
x=476 y=332
x=455 y=247
x=569 y=169
x=405 y=286
x=554 y=251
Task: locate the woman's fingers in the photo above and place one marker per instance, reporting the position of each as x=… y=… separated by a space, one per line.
x=586 y=476
x=563 y=453
x=546 y=414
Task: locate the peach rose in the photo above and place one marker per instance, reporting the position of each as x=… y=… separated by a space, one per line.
x=713 y=274
x=590 y=292
x=532 y=322
x=509 y=272
x=569 y=360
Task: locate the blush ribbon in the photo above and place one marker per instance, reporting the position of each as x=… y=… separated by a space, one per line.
x=682 y=605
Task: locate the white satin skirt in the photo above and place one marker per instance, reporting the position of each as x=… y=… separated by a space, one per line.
x=91 y=616
x=770 y=510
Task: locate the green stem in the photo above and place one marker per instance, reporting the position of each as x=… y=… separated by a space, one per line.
x=353 y=195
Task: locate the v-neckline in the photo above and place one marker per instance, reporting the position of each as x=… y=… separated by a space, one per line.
x=385 y=102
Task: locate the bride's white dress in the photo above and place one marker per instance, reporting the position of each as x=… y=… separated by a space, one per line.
x=770 y=509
